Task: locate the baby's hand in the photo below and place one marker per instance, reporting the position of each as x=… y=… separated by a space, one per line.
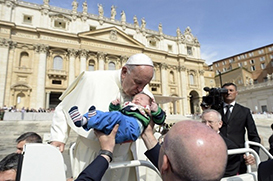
x=116 y=102
x=154 y=106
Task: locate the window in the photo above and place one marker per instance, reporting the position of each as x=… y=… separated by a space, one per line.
x=170 y=48
x=111 y=66
x=172 y=80
x=261 y=51
x=59 y=24
x=251 y=54
x=92 y=28
x=252 y=61
x=24 y=60
x=189 y=50
x=27 y=19
x=224 y=62
x=57 y=82
x=270 y=48
x=262 y=65
x=224 y=69
x=58 y=63
x=252 y=68
x=152 y=42
x=262 y=59
x=230 y=60
x=239 y=64
x=91 y=65
x=271 y=57
x=191 y=77
x=217 y=65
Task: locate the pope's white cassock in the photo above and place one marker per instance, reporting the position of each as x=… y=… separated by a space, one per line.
x=96 y=88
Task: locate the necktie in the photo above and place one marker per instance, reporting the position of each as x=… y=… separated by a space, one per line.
x=227 y=115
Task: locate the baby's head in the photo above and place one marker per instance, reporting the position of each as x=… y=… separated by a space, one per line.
x=142 y=99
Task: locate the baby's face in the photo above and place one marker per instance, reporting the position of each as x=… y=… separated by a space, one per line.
x=142 y=100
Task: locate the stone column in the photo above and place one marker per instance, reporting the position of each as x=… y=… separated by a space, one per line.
x=40 y=96
x=8 y=8
x=164 y=84
x=202 y=81
x=4 y=54
x=47 y=99
x=101 y=58
x=184 y=84
x=83 y=60
x=72 y=56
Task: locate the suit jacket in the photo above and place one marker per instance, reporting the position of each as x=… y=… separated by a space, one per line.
x=265 y=171
x=235 y=128
x=233 y=163
x=95 y=170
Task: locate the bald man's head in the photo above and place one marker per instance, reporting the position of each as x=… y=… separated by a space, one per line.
x=195 y=152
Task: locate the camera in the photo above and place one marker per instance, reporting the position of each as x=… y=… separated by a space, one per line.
x=214 y=97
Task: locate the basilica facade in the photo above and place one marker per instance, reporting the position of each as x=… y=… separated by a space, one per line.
x=44 y=48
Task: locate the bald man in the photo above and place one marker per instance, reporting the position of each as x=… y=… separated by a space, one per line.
x=190 y=151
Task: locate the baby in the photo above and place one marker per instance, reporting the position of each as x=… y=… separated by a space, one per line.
x=133 y=117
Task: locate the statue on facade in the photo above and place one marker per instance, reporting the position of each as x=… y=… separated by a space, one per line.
x=46 y=2
x=188 y=30
x=143 y=23
x=74 y=6
x=84 y=7
x=113 y=12
x=160 y=28
x=123 y=17
x=178 y=33
x=135 y=21
x=100 y=10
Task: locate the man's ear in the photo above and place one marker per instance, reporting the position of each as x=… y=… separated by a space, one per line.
x=165 y=165
x=124 y=71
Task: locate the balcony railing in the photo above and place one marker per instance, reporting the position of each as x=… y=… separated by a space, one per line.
x=54 y=73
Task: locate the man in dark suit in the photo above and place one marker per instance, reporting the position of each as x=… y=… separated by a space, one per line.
x=265 y=171
x=236 y=120
x=213 y=119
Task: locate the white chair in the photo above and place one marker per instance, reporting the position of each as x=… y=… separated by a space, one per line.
x=41 y=162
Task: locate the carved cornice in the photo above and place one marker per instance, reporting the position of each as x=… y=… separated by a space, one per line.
x=41 y=48
x=101 y=55
x=201 y=72
x=182 y=68
x=164 y=66
x=72 y=52
x=83 y=53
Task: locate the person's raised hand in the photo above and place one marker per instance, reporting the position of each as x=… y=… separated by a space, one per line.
x=59 y=145
x=148 y=136
x=107 y=142
x=116 y=102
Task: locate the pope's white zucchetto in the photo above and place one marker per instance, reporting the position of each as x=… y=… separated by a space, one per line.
x=139 y=59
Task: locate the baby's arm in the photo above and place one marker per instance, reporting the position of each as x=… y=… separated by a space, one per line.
x=114 y=105
x=154 y=106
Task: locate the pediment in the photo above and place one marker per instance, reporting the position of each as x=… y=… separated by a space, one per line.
x=111 y=35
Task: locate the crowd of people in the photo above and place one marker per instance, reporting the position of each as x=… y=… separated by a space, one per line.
x=188 y=150
x=23 y=109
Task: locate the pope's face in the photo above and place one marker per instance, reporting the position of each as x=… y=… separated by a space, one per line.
x=133 y=81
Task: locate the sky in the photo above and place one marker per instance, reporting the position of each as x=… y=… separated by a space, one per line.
x=223 y=27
